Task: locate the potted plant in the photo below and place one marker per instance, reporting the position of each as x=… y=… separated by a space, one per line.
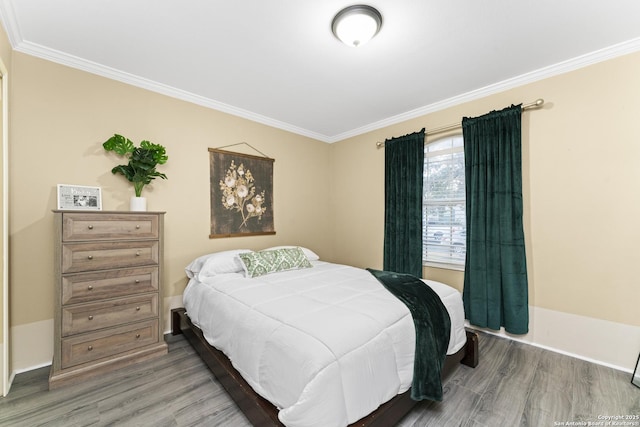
x=141 y=169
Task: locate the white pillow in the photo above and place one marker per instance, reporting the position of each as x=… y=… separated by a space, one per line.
x=216 y=263
x=311 y=256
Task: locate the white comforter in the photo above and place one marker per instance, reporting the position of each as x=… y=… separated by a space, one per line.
x=326 y=345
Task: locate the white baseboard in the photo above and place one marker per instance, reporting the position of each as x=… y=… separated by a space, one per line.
x=611 y=344
x=6 y=383
x=32 y=343
x=169 y=304
x=31 y=346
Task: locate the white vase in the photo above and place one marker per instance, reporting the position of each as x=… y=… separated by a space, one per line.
x=138 y=203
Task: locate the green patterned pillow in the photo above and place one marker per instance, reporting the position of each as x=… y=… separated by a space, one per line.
x=271 y=261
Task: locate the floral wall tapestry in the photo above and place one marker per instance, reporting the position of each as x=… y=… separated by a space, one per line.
x=241 y=194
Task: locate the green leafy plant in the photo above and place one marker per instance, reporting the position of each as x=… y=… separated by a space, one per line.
x=141 y=169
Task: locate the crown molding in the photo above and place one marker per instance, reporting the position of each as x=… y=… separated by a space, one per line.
x=10 y=22
x=134 y=80
x=573 y=64
x=8 y=19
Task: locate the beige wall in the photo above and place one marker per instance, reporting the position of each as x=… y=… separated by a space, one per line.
x=581 y=176
x=580 y=173
x=60 y=117
x=5 y=59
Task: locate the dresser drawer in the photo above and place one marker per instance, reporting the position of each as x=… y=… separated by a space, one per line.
x=98 y=345
x=77 y=257
x=93 y=316
x=87 y=226
x=86 y=287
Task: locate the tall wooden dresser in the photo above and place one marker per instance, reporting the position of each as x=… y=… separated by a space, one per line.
x=108 y=296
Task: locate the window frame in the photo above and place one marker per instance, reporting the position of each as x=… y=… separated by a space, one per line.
x=455 y=227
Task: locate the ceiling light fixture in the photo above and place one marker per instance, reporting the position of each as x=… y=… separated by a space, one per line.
x=356 y=25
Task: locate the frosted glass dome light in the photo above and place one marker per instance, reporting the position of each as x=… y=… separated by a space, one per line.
x=356 y=25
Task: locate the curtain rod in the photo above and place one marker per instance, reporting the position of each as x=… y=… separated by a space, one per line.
x=535 y=104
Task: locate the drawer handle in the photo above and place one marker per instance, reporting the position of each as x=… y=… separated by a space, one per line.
x=137 y=281
x=90 y=348
x=89 y=288
x=90 y=317
x=137 y=227
x=90 y=257
x=90 y=227
x=138 y=253
x=137 y=336
x=137 y=308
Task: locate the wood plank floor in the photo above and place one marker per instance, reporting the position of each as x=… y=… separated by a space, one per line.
x=514 y=385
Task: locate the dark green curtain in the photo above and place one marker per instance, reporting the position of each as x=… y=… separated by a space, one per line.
x=404 y=162
x=495 y=281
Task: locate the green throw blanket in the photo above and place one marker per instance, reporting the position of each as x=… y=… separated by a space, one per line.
x=433 y=327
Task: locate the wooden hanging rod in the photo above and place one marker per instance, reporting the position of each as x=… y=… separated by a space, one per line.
x=535 y=104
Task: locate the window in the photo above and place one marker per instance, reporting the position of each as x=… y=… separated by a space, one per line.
x=444 y=233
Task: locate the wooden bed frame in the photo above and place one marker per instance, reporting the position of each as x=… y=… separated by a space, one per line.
x=262 y=413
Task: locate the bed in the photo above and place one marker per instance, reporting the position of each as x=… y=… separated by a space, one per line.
x=308 y=343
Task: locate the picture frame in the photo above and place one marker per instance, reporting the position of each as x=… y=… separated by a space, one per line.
x=241 y=194
x=79 y=198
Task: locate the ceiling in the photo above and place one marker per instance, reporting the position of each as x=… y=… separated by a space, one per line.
x=277 y=62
